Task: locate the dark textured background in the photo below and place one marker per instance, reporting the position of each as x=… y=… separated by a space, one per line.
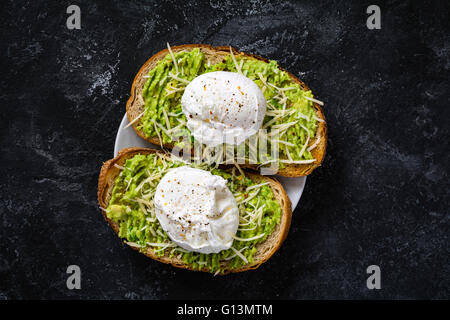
x=381 y=196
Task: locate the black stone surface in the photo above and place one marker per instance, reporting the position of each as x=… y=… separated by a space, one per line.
x=381 y=196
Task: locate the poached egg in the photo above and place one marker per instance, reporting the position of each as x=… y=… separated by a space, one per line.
x=223 y=107
x=196 y=210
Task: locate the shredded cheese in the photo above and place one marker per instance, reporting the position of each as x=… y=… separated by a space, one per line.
x=314 y=100
x=174 y=90
x=238 y=68
x=318 y=119
x=271 y=121
x=315 y=143
x=288 y=153
x=166 y=118
x=161 y=82
x=133 y=244
x=173 y=57
x=174 y=129
x=153 y=232
x=298 y=161
x=283 y=125
x=178 y=79
x=277 y=112
x=156 y=244
x=267 y=162
x=250 y=197
x=257 y=186
x=175 y=114
x=159 y=136
x=249 y=239
x=284 y=142
x=134 y=120
x=261 y=77
x=162 y=128
x=258 y=214
x=160 y=233
x=306 y=143
x=301 y=115
x=287 y=88
x=239 y=254
x=165 y=247
x=128 y=185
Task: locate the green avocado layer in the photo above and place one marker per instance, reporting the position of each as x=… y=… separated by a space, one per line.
x=131 y=205
x=162 y=95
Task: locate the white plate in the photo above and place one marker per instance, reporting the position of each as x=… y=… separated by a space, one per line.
x=128 y=138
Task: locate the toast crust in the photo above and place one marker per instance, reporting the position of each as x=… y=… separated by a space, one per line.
x=135 y=105
x=265 y=250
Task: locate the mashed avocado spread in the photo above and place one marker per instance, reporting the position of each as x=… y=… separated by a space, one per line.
x=287 y=108
x=131 y=205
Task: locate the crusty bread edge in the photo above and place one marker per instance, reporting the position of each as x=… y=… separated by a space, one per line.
x=109 y=172
x=291 y=170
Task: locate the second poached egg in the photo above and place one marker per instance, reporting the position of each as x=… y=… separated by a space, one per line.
x=196 y=210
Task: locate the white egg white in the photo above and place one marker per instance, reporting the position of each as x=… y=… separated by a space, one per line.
x=196 y=210
x=223 y=107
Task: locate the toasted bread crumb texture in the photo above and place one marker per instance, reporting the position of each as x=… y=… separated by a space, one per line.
x=130 y=207
x=290 y=110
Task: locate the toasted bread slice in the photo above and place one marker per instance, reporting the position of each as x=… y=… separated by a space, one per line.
x=135 y=105
x=265 y=250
